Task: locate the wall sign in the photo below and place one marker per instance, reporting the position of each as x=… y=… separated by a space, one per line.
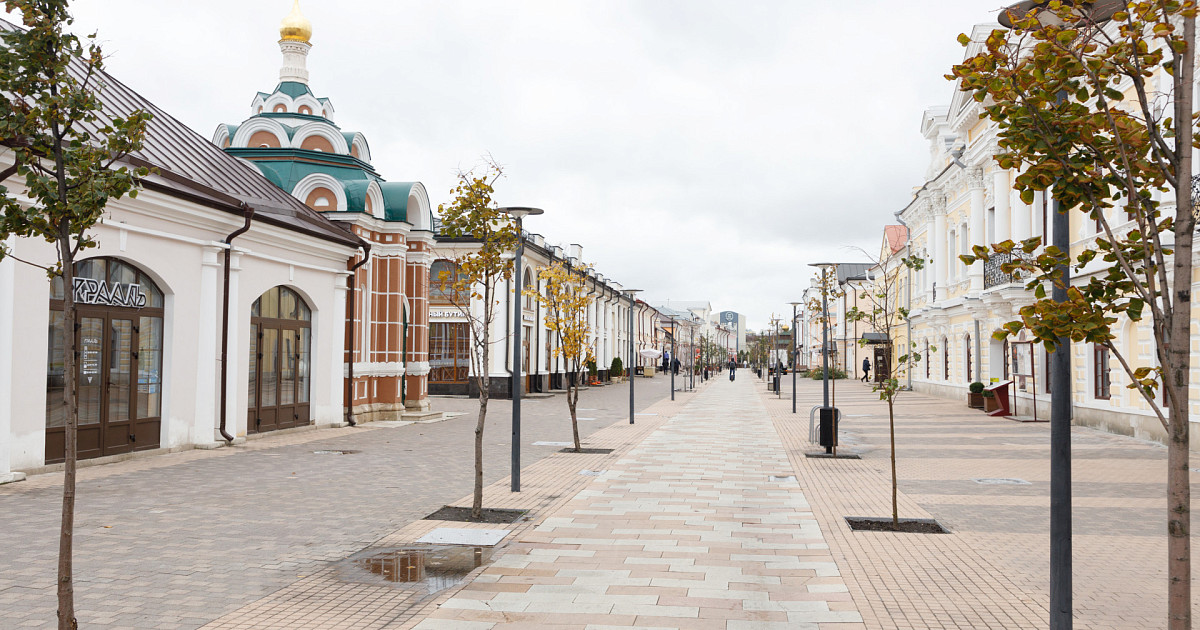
x=89 y=291
x=455 y=314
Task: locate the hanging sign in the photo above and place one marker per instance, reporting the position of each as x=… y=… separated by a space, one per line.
x=89 y=291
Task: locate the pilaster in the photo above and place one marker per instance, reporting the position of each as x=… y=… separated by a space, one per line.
x=204 y=427
x=977 y=227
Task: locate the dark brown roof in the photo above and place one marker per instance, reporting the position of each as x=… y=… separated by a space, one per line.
x=191 y=167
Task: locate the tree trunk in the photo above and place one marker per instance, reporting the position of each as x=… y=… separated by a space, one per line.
x=892 y=433
x=66 y=584
x=484 y=384
x=1179 y=518
x=572 y=403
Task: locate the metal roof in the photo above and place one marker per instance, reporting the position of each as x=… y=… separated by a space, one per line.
x=191 y=167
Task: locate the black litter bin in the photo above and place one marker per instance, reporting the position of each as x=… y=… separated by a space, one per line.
x=828 y=428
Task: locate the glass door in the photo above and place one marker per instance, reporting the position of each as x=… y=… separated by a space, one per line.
x=119 y=404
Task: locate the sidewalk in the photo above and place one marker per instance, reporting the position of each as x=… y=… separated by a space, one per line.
x=986 y=479
x=701 y=525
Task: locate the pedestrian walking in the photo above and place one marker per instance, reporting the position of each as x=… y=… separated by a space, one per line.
x=732 y=368
x=675 y=366
x=866 y=370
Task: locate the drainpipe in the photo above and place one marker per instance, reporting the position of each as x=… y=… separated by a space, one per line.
x=908 y=303
x=352 y=282
x=404 y=358
x=249 y=213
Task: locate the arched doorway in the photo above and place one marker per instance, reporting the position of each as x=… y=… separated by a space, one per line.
x=119 y=337
x=280 y=361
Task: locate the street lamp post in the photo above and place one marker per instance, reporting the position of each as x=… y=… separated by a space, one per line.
x=795 y=334
x=825 y=343
x=671 y=362
x=775 y=372
x=629 y=368
x=517 y=213
x=1061 y=606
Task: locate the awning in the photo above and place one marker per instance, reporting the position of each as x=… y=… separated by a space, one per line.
x=650 y=353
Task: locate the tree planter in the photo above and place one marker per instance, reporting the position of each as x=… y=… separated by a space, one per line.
x=990 y=404
x=975 y=401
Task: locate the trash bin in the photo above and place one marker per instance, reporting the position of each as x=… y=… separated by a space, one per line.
x=828 y=428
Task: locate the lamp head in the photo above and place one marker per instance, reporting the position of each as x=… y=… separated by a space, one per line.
x=519 y=212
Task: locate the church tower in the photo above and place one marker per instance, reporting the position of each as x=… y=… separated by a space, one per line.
x=291 y=137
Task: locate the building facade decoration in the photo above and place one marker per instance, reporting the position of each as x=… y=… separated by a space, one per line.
x=291 y=137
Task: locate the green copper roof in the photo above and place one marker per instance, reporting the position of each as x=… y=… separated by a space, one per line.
x=395 y=199
x=292 y=88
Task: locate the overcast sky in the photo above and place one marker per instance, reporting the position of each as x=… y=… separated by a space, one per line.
x=698 y=150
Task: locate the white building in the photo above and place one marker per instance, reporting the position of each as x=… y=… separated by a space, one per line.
x=152 y=302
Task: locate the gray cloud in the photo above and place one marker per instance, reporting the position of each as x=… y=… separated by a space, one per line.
x=697 y=149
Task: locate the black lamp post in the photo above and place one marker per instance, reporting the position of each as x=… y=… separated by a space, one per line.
x=1061 y=606
x=795 y=335
x=517 y=213
x=632 y=357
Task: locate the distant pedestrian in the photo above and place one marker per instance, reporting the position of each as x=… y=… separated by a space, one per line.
x=866 y=370
x=732 y=369
x=675 y=366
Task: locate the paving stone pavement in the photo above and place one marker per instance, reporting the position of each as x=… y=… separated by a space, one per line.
x=993 y=570
x=701 y=525
x=178 y=540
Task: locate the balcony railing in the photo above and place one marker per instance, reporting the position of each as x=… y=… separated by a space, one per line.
x=993 y=276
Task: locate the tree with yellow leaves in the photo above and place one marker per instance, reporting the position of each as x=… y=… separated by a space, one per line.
x=566 y=301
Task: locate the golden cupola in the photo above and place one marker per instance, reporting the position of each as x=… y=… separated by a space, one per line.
x=295 y=27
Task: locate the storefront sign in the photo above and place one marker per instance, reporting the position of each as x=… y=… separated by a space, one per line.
x=527 y=317
x=89 y=358
x=89 y=291
x=455 y=314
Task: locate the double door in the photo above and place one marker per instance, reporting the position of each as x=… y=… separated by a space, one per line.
x=109 y=387
x=279 y=375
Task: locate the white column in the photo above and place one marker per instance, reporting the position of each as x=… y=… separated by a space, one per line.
x=204 y=423
x=1022 y=224
x=8 y=298
x=978 y=225
x=1002 y=186
x=337 y=376
x=937 y=244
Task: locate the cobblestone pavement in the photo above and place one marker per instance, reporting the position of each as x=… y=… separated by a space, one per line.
x=178 y=540
x=993 y=571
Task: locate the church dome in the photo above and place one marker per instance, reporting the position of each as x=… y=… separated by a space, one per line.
x=295 y=27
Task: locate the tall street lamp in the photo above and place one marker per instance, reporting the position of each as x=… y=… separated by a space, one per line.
x=795 y=334
x=673 y=359
x=629 y=368
x=825 y=350
x=517 y=213
x=775 y=372
x=1061 y=606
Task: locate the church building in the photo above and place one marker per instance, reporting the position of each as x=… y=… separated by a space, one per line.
x=292 y=138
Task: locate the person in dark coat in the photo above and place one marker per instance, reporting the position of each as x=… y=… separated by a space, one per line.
x=866 y=370
x=732 y=368
x=675 y=366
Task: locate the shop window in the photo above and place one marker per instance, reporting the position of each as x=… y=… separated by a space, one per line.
x=449 y=352
x=280 y=361
x=118 y=344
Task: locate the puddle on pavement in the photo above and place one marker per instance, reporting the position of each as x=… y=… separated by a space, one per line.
x=426 y=568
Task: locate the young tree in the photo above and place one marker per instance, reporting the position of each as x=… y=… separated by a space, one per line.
x=472 y=213
x=1103 y=116
x=883 y=313
x=65 y=147
x=566 y=301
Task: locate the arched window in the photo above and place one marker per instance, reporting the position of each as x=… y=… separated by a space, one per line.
x=528 y=290
x=321 y=199
x=119 y=345
x=280 y=361
x=945 y=359
x=442 y=285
